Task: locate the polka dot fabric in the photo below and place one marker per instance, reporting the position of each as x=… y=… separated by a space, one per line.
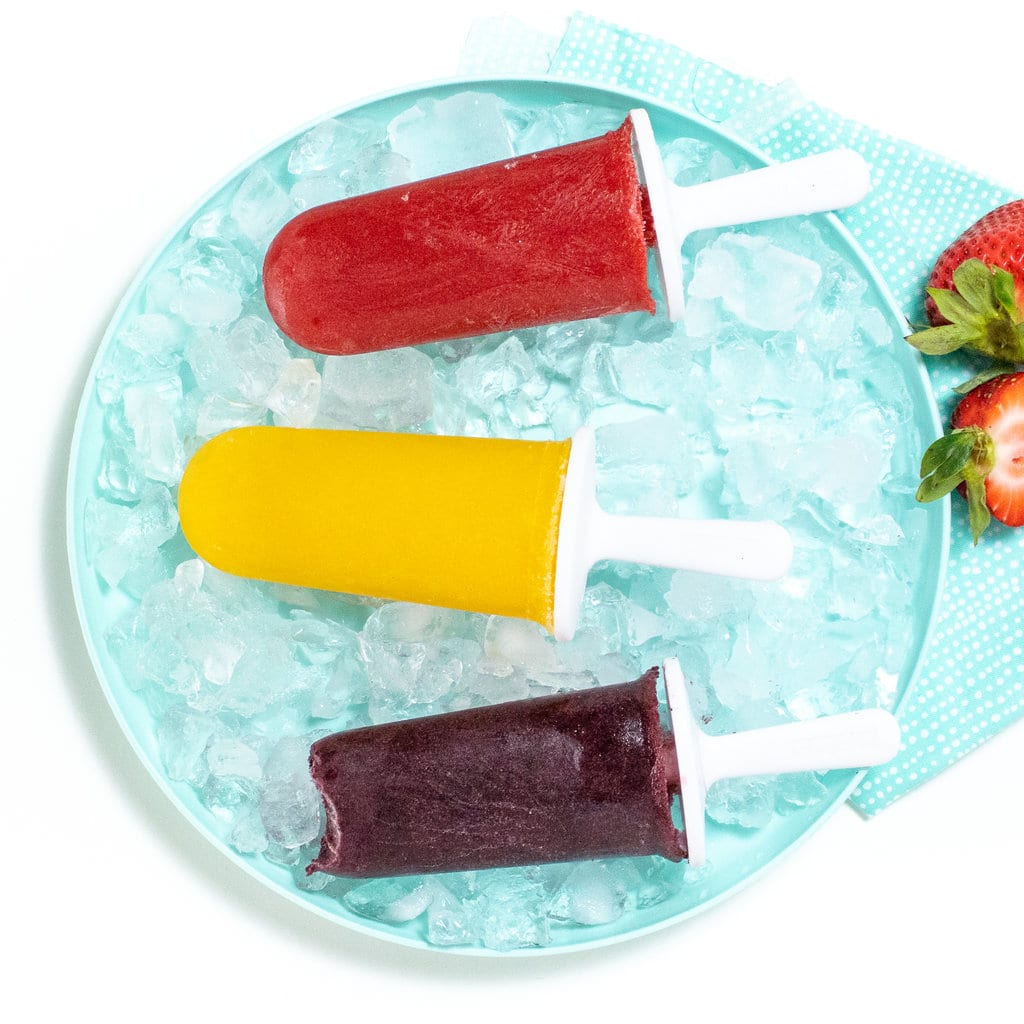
x=971 y=683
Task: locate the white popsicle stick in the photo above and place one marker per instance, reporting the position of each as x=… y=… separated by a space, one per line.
x=857 y=739
x=587 y=534
x=813 y=184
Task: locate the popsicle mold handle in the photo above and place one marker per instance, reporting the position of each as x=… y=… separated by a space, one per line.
x=752 y=550
x=587 y=534
x=811 y=184
x=856 y=739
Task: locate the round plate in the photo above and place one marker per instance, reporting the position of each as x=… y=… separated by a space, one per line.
x=738 y=855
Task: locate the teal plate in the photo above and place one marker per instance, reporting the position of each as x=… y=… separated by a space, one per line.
x=738 y=855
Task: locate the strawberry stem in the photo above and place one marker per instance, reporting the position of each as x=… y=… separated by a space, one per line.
x=982 y=313
x=963 y=457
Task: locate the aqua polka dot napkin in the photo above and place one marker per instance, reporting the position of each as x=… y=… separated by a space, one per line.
x=971 y=682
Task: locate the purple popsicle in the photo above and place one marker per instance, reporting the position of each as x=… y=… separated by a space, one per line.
x=568 y=777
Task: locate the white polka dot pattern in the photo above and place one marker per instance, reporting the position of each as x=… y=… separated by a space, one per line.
x=971 y=682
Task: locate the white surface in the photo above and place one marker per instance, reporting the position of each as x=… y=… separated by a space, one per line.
x=118 y=117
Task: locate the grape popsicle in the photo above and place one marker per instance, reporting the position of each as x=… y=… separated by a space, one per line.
x=571 y=776
x=499 y=526
x=553 y=236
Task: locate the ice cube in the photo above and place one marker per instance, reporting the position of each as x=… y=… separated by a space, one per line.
x=247 y=833
x=243 y=365
x=376 y=167
x=647 y=464
x=463 y=130
x=331 y=143
x=203 y=281
x=151 y=412
x=766 y=286
x=408 y=660
x=702 y=601
x=560 y=348
x=562 y=123
x=217 y=413
x=660 y=374
x=232 y=757
x=182 y=738
x=391 y=390
x=449 y=922
x=295 y=397
x=748 y=803
x=864 y=460
x=316 y=190
x=261 y=206
x=591 y=895
x=264 y=675
x=148 y=348
x=290 y=805
x=521 y=644
x=391 y=900
x=798 y=790
x=510 y=912
x=120 y=538
x=492 y=374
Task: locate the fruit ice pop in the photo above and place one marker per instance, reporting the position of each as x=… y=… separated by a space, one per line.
x=571 y=776
x=558 y=235
x=565 y=777
x=504 y=527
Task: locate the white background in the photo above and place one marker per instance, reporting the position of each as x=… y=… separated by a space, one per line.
x=117 y=117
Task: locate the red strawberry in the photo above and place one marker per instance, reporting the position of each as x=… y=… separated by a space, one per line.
x=976 y=290
x=983 y=455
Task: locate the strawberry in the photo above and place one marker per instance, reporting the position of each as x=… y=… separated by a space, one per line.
x=983 y=455
x=976 y=290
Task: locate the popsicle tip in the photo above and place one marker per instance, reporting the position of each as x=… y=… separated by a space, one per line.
x=858 y=171
x=887 y=733
x=770 y=556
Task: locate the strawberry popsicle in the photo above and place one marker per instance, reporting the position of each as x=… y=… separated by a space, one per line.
x=558 y=235
x=570 y=776
x=504 y=527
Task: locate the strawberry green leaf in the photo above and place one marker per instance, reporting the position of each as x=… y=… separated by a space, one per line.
x=939 y=341
x=1004 y=287
x=1003 y=340
x=944 y=465
x=975 y=283
x=978 y=514
x=958 y=310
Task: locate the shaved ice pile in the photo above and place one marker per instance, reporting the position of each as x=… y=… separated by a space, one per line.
x=781 y=396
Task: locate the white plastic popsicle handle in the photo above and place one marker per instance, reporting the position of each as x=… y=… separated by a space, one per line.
x=812 y=184
x=587 y=534
x=857 y=739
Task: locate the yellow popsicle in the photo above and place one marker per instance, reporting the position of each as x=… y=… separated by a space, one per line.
x=459 y=522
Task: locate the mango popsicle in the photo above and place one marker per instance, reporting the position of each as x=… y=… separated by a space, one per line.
x=571 y=776
x=558 y=235
x=502 y=527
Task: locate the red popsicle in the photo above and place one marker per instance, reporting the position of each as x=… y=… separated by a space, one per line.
x=566 y=777
x=554 y=236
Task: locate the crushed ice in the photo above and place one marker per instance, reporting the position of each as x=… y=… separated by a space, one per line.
x=780 y=397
